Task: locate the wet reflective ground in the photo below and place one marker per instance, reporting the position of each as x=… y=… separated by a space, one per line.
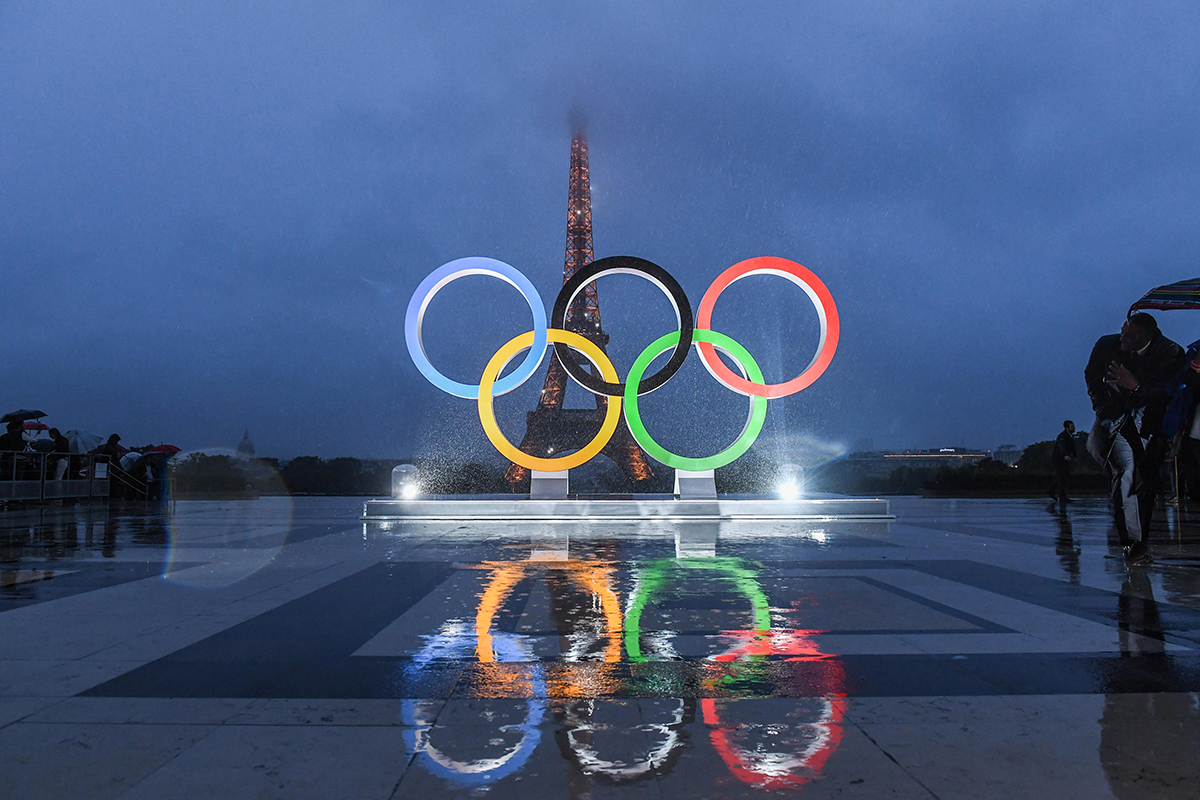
x=281 y=648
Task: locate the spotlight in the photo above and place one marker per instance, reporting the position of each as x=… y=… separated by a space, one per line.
x=404 y=482
x=791 y=482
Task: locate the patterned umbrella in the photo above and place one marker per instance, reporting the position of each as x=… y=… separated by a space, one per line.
x=1185 y=294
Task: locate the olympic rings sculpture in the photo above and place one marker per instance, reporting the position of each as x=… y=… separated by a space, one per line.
x=553 y=331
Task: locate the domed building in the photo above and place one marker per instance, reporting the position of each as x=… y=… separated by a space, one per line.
x=245 y=448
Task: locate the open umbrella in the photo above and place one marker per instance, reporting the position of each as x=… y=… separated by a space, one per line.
x=30 y=425
x=169 y=449
x=82 y=441
x=1173 y=296
x=20 y=415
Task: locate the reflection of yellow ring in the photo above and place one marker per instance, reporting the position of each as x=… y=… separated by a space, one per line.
x=486 y=415
x=595 y=577
x=503 y=579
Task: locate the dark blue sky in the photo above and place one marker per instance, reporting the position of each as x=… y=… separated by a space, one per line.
x=212 y=218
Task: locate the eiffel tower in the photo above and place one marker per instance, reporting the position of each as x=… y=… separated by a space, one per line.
x=550 y=428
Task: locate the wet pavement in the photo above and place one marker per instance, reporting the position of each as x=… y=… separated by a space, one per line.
x=282 y=648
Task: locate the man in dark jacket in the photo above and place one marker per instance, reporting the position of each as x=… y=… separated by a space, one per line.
x=1129 y=380
x=12 y=441
x=1063 y=455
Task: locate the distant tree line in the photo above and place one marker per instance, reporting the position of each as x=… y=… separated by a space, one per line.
x=1030 y=476
x=199 y=476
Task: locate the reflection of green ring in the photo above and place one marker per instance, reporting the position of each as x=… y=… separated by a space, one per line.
x=754 y=422
x=652 y=576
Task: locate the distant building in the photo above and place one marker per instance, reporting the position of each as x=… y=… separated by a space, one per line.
x=1008 y=454
x=245 y=448
x=880 y=464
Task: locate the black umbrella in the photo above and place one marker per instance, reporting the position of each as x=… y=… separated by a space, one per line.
x=20 y=415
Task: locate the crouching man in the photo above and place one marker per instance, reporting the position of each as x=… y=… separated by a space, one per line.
x=1128 y=378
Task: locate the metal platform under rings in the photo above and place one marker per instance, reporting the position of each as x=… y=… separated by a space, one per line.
x=625 y=507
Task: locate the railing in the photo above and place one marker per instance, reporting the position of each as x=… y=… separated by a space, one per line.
x=130 y=487
x=33 y=477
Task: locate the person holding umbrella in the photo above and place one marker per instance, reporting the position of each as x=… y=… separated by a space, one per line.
x=112 y=448
x=61 y=449
x=1128 y=378
x=13 y=440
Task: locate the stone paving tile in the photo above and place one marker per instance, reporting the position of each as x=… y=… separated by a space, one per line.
x=296 y=762
x=15 y=708
x=299 y=711
x=1154 y=759
x=142 y=710
x=56 y=761
x=1029 y=745
x=57 y=678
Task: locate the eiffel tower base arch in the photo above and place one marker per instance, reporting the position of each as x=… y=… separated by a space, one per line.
x=553 y=431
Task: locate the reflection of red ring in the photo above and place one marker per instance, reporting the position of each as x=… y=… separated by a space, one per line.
x=745 y=772
x=792 y=645
x=817 y=292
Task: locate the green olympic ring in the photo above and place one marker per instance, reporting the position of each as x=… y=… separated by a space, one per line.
x=652 y=577
x=754 y=421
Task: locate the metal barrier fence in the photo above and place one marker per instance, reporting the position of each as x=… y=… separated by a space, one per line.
x=33 y=476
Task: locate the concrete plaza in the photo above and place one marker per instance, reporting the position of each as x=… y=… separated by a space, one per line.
x=283 y=648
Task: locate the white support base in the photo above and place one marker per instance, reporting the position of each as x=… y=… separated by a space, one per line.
x=549 y=485
x=494 y=508
x=695 y=485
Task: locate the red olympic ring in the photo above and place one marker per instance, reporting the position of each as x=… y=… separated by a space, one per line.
x=826 y=311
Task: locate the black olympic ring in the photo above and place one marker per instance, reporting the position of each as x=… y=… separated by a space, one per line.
x=632 y=266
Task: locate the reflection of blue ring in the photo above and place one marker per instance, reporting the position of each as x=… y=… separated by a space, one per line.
x=459 y=642
x=459 y=268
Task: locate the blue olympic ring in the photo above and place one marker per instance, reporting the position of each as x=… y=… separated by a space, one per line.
x=452 y=271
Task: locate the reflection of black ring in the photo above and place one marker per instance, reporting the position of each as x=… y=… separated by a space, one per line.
x=633 y=266
x=576 y=717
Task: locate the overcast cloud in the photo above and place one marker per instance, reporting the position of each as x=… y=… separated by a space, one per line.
x=212 y=215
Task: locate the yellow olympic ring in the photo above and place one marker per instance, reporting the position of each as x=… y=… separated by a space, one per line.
x=488 y=417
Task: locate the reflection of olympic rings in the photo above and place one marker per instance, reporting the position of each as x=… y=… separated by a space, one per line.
x=652 y=577
x=455 y=642
x=577 y=742
x=750 y=383
x=763 y=768
x=627 y=265
x=594 y=577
